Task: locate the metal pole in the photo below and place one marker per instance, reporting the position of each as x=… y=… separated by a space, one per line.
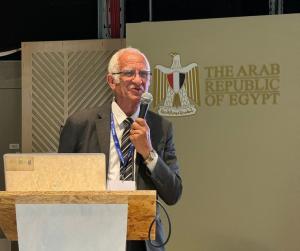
x=122 y=19
x=99 y=18
x=275 y=7
x=150 y=10
x=280 y=6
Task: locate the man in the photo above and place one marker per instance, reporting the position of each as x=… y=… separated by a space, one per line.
x=101 y=130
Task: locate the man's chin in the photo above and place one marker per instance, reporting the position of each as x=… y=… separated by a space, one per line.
x=137 y=93
x=135 y=100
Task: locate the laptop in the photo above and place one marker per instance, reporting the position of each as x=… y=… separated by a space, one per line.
x=55 y=172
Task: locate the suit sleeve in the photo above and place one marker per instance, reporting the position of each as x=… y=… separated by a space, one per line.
x=165 y=175
x=68 y=138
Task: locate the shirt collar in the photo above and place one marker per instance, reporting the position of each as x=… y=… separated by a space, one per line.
x=119 y=115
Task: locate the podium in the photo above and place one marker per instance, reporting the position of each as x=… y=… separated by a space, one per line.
x=141 y=212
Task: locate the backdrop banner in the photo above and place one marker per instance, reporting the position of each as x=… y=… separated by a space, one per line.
x=231 y=87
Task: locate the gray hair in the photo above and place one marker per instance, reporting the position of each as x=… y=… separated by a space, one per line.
x=114 y=66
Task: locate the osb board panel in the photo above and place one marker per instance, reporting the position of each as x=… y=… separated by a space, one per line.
x=55 y=172
x=141 y=207
x=58 y=79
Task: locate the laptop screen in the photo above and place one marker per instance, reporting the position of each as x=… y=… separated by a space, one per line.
x=55 y=172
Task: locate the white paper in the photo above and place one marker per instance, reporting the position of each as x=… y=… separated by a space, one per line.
x=120 y=185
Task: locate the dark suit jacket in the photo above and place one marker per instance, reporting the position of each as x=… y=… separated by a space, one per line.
x=89 y=132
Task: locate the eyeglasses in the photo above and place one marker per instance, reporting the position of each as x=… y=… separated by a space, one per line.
x=132 y=73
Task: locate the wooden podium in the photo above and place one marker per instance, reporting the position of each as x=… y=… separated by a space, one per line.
x=58 y=202
x=141 y=207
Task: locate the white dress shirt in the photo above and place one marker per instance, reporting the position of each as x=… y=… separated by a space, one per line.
x=114 y=161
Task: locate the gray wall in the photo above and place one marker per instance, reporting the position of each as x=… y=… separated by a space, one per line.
x=4 y=245
x=10 y=114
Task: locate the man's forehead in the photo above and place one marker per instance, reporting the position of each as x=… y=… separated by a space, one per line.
x=129 y=59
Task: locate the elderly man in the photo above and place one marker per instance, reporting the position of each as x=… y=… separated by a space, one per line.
x=140 y=151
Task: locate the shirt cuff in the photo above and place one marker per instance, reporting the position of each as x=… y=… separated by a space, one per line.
x=151 y=164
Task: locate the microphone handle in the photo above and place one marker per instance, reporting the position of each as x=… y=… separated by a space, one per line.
x=143 y=110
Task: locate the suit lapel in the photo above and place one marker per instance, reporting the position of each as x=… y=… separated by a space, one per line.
x=103 y=130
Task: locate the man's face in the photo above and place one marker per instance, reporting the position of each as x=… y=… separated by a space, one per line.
x=130 y=88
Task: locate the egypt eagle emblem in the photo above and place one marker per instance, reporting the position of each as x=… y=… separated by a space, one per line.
x=176 y=89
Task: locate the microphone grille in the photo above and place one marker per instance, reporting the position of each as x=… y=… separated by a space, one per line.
x=146 y=98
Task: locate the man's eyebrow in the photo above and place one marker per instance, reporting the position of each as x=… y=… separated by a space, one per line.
x=128 y=69
x=132 y=69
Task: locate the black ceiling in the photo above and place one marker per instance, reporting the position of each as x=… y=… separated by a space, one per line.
x=36 y=20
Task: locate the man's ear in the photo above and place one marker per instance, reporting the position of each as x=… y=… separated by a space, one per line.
x=111 y=81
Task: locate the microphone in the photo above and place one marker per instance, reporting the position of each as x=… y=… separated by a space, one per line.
x=146 y=100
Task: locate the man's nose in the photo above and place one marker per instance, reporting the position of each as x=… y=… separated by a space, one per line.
x=137 y=78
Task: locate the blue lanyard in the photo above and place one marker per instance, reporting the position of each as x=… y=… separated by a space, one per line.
x=117 y=144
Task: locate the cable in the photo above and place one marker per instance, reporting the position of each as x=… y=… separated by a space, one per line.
x=151 y=225
x=5 y=53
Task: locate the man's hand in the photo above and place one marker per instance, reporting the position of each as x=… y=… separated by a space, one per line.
x=140 y=137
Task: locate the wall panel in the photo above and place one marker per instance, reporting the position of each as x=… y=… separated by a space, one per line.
x=58 y=79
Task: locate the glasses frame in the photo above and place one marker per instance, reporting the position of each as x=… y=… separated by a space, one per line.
x=134 y=72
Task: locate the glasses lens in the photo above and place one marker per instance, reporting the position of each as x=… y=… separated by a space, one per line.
x=144 y=74
x=128 y=74
x=132 y=73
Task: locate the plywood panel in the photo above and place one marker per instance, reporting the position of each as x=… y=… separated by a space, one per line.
x=141 y=207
